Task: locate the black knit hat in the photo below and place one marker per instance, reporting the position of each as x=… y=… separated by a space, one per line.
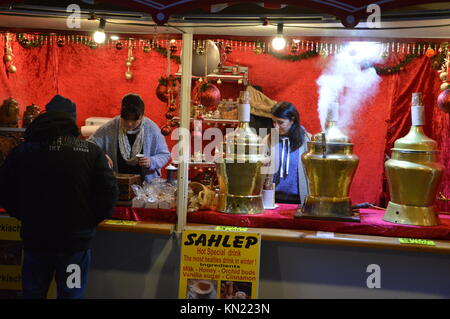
x=61 y=104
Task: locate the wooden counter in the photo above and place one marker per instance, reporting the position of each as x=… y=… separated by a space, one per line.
x=292 y=235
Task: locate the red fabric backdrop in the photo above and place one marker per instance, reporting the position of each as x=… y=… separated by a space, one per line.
x=95 y=80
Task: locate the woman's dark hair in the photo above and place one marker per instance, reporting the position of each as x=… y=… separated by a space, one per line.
x=296 y=134
x=132 y=107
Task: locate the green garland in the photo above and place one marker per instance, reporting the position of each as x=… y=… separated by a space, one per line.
x=396 y=68
x=26 y=43
x=294 y=58
x=163 y=51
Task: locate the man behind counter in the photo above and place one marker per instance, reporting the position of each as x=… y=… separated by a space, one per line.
x=133 y=142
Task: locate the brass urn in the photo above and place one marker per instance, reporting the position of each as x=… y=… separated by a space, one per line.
x=330 y=166
x=9 y=113
x=239 y=167
x=414 y=174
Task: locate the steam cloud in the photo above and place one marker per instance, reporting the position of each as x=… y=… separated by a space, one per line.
x=348 y=81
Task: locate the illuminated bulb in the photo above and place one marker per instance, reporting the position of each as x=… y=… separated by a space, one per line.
x=278 y=43
x=99 y=36
x=114 y=37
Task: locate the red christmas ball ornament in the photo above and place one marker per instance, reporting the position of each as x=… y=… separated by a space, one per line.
x=170 y=115
x=60 y=43
x=174 y=123
x=443 y=101
x=294 y=49
x=209 y=95
x=119 y=45
x=172 y=108
x=430 y=53
x=173 y=48
x=228 y=49
x=166 y=130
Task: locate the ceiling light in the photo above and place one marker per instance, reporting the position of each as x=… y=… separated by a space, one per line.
x=99 y=35
x=278 y=43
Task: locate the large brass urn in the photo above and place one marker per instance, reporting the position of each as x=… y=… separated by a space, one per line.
x=414 y=174
x=330 y=166
x=239 y=168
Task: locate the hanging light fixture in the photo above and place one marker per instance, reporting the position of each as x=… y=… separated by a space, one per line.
x=99 y=35
x=278 y=43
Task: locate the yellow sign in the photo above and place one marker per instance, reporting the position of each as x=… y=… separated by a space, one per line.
x=10 y=277
x=219 y=265
x=120 y=222
x=9 y=228
x=10 y=254
x=415 y=241
x=231 y=228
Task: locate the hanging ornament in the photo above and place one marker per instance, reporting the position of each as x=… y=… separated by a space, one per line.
x=129 y=61
x=147 y=48
x=443 y=101
x=173 y=48
x=170 y=115
x=208 y=95
x=219 y=81
x=60 y=43
x=8 y=57
x=173 y=123
x=166 y=83
x=430 y=52
x=228 y=49
x=443 y=76
x=12 y=68
x=93 y=45
x=200 y=50
x=172 y=108
x=258 y=50
x=166 y=130
x=119 y=45
x=294 y=49
x=128 y=75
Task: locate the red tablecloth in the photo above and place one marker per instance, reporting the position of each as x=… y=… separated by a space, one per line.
x=283 y=217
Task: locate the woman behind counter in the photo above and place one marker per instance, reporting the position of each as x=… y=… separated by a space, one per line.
x=290 y=181
x=130 y=134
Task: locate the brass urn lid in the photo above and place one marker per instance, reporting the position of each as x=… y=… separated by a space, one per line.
x=416 y=139
x=333 y=134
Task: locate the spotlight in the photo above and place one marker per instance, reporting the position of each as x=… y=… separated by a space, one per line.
x=99 y=35
x=278 y=43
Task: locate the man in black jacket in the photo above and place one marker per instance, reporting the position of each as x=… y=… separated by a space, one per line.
x=60 y=187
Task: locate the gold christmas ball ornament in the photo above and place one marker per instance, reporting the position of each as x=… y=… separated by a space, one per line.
x=128 y=75
x=219 y=81
x=147 y=49
x=385 y=54
x=7 y=58
x=258 y=50
x=323 y=53
x=128 y=63
x=132 y=58
x=12 y=68
x=443 y=76
x=444 y=86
